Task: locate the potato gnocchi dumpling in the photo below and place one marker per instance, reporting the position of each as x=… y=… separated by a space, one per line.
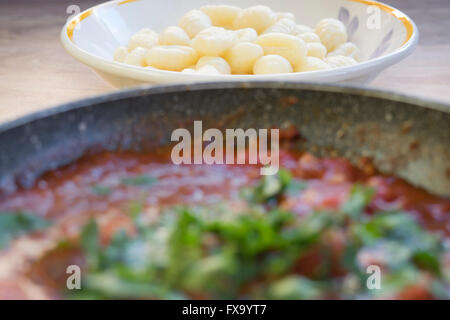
x=120 y=54
x=257 y=17
x=174 y=36
x=246 y=34
x=208 y=69
x=316 y=49
x=225 y=39
x=218 y=63
x=288 y=46
x=194 y=21
x=312 y=64
x=221 y=15
x=242 y=57
x=272 y=63
x=309 y=37
x=346 y=49
x=213 y=41
x=340 y=61
x=332 y=33
x=136 y=57
x=284 y=25
x=144 y=40
x=299 y=29
x=172 y=58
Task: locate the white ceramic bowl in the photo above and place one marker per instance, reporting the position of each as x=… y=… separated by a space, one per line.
x=92 y=36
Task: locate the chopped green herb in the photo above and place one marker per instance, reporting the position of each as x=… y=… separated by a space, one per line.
x=254 y=254
x=14 y=224
x=193 y=253
x=90 y=242
x=135 y=208
x=427 y=260
x=101 y=190
x=271 y=186
x=295 y=187
x=360 y=197
x=140 y=180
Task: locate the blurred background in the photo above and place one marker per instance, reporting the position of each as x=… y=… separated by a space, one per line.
x=36 y=72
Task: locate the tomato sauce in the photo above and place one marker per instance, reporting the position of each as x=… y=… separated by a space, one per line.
x=94 y=186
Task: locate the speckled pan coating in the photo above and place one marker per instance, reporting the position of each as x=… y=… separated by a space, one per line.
x=405 y=136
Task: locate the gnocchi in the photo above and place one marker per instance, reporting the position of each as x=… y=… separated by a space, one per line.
x=243 y=56
x=316 y=49
x=288 y=46
x=136 y=57
x=299 y=29
x=172 y=58
x=225 y=39
x=312 y=64
x=246 y=34
x=213 y=41
x=174 y=36
x=208 y=69
x=221 y=15
x=284 y=25
x=309 y=37
x=194 y=21
x=332 y=33
x=120 y=54
x=257 y=17
x=272 y=63
x=340 y=61
x=142 y=39
x=346 y=49
x=220 y=64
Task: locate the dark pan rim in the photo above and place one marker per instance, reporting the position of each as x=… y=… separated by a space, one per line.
x=158 y=89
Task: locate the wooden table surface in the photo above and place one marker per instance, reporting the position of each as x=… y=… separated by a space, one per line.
x=36 y=72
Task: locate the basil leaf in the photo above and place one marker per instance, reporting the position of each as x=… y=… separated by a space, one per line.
x=360 y=197
x=272 y=186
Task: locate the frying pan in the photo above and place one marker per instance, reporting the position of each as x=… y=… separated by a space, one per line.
x=404 y=136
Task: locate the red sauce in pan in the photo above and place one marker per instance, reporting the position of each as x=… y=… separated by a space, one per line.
x=67 y=196
x=69 y=190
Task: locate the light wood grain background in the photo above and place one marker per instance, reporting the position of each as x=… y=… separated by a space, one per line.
x=36 y=72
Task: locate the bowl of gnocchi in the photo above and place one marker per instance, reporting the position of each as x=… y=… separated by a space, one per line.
x=132 y=42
